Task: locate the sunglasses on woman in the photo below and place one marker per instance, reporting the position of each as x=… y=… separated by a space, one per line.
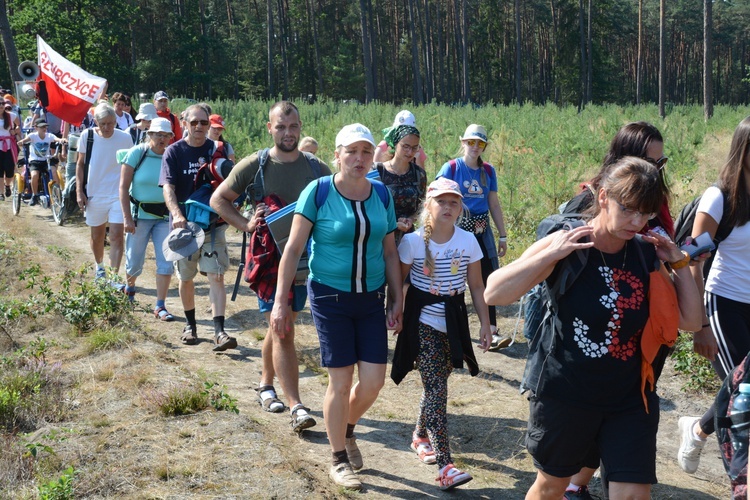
x=658 y=163
x=475 y=142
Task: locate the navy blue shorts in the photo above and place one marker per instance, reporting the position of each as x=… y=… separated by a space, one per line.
x=351 y=326
x=562 y=436
x=299 y=296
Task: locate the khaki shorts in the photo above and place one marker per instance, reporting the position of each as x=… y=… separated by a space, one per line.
x=207 y=259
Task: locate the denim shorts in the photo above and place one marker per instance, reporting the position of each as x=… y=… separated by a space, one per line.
x=156 y=230
x=299 y=296
x=351 y=326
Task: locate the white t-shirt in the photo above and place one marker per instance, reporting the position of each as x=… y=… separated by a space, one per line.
x=104 y=171
x=124 y=121
x=3 y=132
x=452 y=261
x=729 y=276
x=38 y=147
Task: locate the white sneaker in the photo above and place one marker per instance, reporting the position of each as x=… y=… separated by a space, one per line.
x=344 y=476
x=689 y=455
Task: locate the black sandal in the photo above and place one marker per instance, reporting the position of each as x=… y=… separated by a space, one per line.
x=270 y=404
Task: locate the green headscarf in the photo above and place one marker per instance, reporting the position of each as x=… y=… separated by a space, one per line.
x=394 y=134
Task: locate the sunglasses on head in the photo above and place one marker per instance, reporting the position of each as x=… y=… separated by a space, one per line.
x=475 y=142
x=195 y=123
x=658 y=163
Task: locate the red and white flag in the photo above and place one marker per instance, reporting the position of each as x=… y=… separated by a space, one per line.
x=71 y=90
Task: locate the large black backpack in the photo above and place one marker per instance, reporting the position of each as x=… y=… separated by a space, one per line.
x=683 y=227
x=533 y=302
x=734 y=463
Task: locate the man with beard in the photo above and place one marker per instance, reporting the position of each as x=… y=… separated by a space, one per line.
x=285 y=173
x=179 y=167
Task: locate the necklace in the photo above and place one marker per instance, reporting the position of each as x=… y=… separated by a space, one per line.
x=624 y=258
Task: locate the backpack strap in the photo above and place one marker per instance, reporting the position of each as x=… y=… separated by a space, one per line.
x=314 y=163
x=487 y=169
x=87 y=157
x=321 y=191
x=453 y=165
x=144 y=152
x=257 y=196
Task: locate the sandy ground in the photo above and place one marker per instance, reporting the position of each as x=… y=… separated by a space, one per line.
x=123 y=448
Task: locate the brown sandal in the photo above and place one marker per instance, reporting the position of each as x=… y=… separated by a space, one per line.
x=189 y=335
x=222 y=342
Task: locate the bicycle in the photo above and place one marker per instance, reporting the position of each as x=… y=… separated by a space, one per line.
x=50 y=191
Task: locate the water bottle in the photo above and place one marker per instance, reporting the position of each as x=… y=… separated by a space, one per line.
x=740 y=418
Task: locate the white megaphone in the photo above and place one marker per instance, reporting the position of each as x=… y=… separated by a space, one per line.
x=28 y=70
x=28 y=91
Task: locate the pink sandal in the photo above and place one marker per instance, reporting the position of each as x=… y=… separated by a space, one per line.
x=423 y=449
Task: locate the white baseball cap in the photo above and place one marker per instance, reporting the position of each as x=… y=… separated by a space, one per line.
x=405 y=117
x=160 y=125
x=355 y=132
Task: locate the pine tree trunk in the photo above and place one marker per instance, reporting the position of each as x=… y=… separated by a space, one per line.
x=662 y=48
x=639 y=61
x=367 y=53
x=517 y=9
x=11 y=53
x=708 y=105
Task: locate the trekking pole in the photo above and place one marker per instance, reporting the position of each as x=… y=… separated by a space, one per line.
x=241 y=267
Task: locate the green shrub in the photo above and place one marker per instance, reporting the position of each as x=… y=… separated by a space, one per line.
x=88 y=304
x=60 y=488
x=700 y=375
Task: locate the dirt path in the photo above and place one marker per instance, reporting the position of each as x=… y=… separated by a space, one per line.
x=123 y=448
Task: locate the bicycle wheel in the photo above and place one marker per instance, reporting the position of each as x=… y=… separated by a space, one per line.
x=58 y=210
x=15 y=193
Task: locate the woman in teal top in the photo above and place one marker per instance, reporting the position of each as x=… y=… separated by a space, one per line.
x=353 y=255
x=145 y=215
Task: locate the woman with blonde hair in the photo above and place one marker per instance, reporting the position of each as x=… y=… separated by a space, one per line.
x=478 y=182
x=440 y=259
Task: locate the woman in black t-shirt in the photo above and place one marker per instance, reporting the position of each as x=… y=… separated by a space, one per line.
x=586 y=394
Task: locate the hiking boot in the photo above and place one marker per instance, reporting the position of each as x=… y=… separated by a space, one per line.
x=449 y=477
x=581 y=493
x=352 y=451
x=301 y=419
x=34 y=200
x=343 y=475
x=689 y=455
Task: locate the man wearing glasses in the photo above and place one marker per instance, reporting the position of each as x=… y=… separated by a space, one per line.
x=179 y=167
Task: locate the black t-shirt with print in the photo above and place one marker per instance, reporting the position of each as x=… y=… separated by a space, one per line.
x=598 y=362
